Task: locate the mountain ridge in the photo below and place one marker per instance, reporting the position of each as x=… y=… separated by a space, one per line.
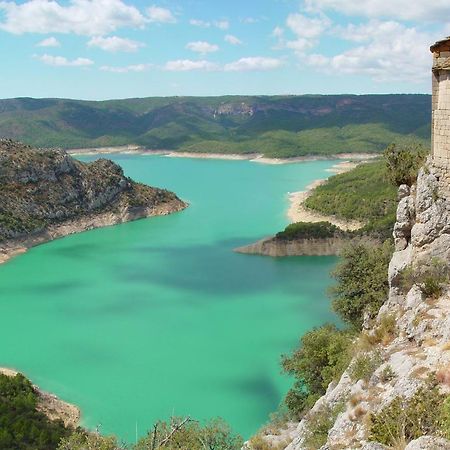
x=283 y=126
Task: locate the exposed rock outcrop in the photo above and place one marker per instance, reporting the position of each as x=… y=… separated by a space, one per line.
x=420 y=345
x=45 y=194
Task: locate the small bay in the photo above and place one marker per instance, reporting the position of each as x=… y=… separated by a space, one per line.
x=160 y=317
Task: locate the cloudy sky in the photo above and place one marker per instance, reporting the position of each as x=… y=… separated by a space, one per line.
x=98 y=49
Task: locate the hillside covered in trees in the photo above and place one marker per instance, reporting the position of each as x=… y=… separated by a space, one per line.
x=277 y=126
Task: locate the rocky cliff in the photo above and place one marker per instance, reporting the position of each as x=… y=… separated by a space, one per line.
x=45 y=193
x=398 y=366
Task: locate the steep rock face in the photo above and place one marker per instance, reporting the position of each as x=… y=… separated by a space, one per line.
x=421 y=342
x=46 y=192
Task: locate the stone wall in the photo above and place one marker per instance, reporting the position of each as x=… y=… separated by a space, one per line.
x=441 y=108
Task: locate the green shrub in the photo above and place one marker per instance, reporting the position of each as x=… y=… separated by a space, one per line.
x=362 y=282
x=319 y=424
x=387 y=374
x=403 y=162
x=403 y=420
x=364 y=366
x=322 y=357
x=430 y=278
x=88 y=441
x=187 y=434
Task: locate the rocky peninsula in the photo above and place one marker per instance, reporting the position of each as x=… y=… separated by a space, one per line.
x=46 y=194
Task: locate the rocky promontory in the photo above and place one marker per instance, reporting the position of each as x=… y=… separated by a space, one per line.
x=46 y=194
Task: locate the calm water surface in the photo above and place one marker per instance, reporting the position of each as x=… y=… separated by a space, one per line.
x=143 y=320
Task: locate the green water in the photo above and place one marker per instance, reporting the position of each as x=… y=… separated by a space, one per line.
x=158 y=317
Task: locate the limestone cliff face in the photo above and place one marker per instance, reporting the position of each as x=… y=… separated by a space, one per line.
x=45 y=193
x=420 y=345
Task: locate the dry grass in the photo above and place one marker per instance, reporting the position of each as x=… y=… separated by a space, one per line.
x=430 y=342
x=420 y=372
x=356 y=399
x=357 y=413
x=443 y=375
x=259 y=443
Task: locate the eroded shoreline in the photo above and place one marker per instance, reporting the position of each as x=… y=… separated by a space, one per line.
x=252 y=157
x=15 y=247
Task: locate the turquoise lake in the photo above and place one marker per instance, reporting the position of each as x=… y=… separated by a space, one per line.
x=159 y=317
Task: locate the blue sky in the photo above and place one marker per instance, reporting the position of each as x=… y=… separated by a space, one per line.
x=100 y=49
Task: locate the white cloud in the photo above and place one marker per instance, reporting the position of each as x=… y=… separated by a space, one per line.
x=222 y=24
x=435 y=10
x=126 y=69
x=202 y=47
x=300 y=45
x=49 y=42
x=160 y=15
x=185 y=65
x=307 y=31
x=61 y=61
x=277 y=32
x=84 y=17
x=253 y=64
x=200 y=23
x=250 y=20
x=386 y=53
x=307 y=27
x=115 y=44
x=233 y=40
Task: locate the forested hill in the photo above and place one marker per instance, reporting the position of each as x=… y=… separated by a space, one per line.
x=276 y=126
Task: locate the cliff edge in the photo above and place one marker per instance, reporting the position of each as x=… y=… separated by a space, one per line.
x=46 y=194
x=406 y=347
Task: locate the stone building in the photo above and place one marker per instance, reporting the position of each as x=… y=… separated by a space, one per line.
x=441 y=103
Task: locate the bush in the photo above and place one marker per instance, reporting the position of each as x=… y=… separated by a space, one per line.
x=321 y=358
x=387 y=374
x=362 y=284
x=88 y=441
x=187 y=434
x=403 y=420
x=430 y=278
x=320 y=423
x=364 y=366
x=403 y=162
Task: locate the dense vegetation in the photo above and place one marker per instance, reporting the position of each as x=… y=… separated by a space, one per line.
x=308 y=230
x=427 y=412
x=283 y=126
x=362 y=282
x=324 y=353
x=403 y=162
x=321 y=357
x=178 y=434
x=22 y=426
x=364 y=194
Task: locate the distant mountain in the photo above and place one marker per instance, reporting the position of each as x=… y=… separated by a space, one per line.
x=276 y=126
